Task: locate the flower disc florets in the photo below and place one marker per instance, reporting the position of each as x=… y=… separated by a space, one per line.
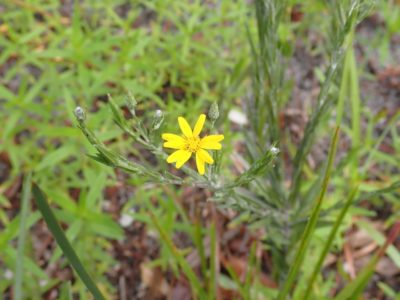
x=192 y=144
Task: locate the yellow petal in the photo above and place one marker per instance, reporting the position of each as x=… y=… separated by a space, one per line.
x=177 y=156
x=205 y=156
x=173 y=141
x=211 y=142
x=199 y=125
x=200 y=164
x=185 y=127
x=183 y=158
x=174 y=145
x=170 y=137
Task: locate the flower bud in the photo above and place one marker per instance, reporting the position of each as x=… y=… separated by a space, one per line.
x=158 y=119
x=80 y=114
x=213 y=113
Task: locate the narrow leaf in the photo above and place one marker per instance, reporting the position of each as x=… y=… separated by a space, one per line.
x=63 y=242
x=329 y=242
x=19 y=264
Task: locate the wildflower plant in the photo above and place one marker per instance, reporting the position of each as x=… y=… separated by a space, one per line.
x=164 y=50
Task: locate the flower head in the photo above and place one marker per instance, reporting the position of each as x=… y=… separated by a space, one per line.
x=190 y=143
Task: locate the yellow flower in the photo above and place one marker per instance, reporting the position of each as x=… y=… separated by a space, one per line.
x=190 y=143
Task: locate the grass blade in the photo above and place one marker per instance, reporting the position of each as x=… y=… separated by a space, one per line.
x=63 y=242
x=19 y=264
x=355 y=110
x=329 y=242
x=311 y=223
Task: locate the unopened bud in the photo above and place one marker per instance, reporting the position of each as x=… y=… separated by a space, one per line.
x=213 y=113
x=158 y=119
x=79 y=114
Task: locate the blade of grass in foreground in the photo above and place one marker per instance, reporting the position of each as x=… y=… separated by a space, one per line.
x=19 y=264
x=329 y=242
x=63 y=242
x=311 y=223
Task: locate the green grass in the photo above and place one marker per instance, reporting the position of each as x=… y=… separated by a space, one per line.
x=180 y=58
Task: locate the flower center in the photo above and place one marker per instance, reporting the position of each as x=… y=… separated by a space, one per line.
x=192 y=144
